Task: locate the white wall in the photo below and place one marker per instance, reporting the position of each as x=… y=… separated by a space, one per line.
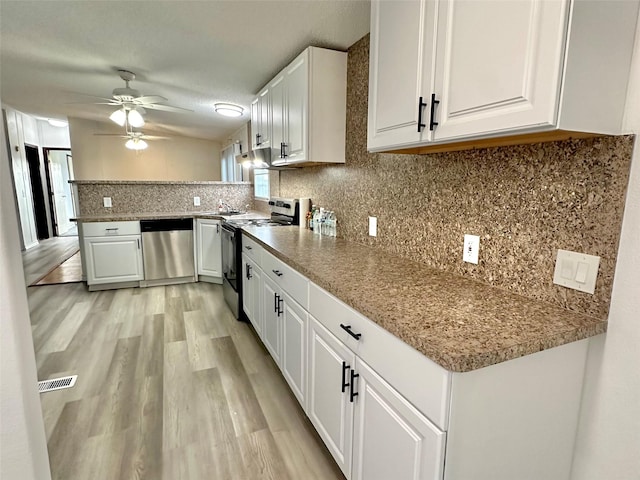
x=23 y=448
x=608 y=441
x=53 y=137
x=106 y=158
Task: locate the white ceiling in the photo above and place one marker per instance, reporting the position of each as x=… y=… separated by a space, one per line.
x=194 y=53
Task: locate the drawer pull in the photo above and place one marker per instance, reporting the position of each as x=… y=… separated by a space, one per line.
x=275 y=303
x=277 y=272
x=433 y=124
x=248 y=272
x=112 y=229
x=347 y=328
x=248 y=247
x=353 y=394
x=345 y=367
x=421 y=105
x=280 y=302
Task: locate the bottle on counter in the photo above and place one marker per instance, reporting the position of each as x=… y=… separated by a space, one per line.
x=313 y=217
x=332 y=224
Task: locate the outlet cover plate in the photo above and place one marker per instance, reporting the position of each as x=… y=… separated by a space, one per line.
x=106 y=202
x=471 y=250
x=373 y=226
x=196 y=201
x=578 y=271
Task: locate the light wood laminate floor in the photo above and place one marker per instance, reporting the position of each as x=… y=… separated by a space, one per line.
x=170 y=386
x=41 y=259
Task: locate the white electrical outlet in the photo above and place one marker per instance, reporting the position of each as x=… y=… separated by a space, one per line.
x=471 y=248
x=196 y=201
x=373 y=226
x=106 y=202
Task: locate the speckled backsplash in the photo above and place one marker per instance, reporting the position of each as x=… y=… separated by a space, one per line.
x=525 y=202
x=161 y=197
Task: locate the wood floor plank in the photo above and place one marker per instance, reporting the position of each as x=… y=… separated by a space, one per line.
x=151 y=356
x=180 y=420
x=201 y=353
x=261 y=456
x=59 y=340
x=216 y=425
x=174 y=320
x=245 y=409
x=102 y=457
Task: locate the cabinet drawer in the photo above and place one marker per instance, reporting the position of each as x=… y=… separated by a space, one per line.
x=286 y=278
x=106 y=229
x=423 y=382
x=252 y=249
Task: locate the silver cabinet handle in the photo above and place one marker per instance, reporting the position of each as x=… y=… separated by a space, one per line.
x=138 y=241
x=112 y=229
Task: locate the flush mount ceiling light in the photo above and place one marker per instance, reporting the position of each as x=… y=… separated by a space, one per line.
x=127 y=115
x=57 y=123
x=136 y=144
x=228 y=109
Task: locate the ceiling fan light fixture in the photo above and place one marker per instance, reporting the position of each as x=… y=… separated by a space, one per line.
x=119 y=117
x=136 y=144
x=228 y=109
x=135 y=118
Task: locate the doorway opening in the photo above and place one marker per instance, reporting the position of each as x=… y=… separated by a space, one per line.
x=61 y=202
x=37 y=191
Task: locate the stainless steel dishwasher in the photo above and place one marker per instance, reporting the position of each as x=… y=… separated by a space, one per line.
x=167 y=251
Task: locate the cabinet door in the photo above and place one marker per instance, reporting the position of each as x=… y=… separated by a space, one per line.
x=498 y=65
x=272 y=317
x=297 y=93
x=400 y=72
x=294 y=347
x=251 y=293
x=391 y=438
x=255 y=122
x=113 y=259
x=264 y=109
x=328 y=404
x=278 y=116
x=209 y=248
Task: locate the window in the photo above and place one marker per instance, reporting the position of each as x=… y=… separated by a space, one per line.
x=261 y=183
x=227 y=163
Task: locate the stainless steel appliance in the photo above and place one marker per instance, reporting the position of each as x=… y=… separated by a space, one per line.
x=167 y=251
x=284 y=211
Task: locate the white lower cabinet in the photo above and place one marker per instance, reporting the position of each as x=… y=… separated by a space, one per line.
x=209 y=248
x=369 y=428
x=391 y=439
x=271 y=312
x=113 y=259
x=294 y=347
x=329 y=407
x=252 y=293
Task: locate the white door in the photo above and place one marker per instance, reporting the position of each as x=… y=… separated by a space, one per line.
x=498 y=65
x=297 y=91
x=401 y=72
x=391 y=438
x=328 y=405
x=294 y=347
x=272 y=317
x=209 y=248
x=113 y=259
x=278 y=116
x=251 y=288
x=62 y=197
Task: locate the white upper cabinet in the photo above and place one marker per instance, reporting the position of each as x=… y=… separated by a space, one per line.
x=490 y=68
x=261 y=120
x=306 y=112
x=402 y=49
x=499 y=65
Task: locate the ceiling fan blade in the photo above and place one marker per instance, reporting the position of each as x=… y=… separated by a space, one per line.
x=149 y=99
x=111 y=135
x=154 y=137
x=166 y=108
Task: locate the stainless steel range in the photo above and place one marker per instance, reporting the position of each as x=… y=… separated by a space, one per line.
x=284 y=211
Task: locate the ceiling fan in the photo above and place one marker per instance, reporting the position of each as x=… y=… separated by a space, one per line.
x=135 y=140
x=133 y=104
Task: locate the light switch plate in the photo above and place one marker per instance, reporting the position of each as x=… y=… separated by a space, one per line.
x=471 y=248
x=373 y=226
x=196 y=201
x=106 y=202
x=576 y=270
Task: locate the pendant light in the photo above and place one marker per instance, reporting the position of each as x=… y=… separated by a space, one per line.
x=136 y=144
x=127 y=115
x=119 y=117
x=134 y=118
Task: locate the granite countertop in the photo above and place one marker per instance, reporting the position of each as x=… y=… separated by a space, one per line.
x=124 y=217
x=155 y=182
x=460 y=324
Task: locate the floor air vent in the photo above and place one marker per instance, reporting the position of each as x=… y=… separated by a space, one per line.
x=57 y=383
